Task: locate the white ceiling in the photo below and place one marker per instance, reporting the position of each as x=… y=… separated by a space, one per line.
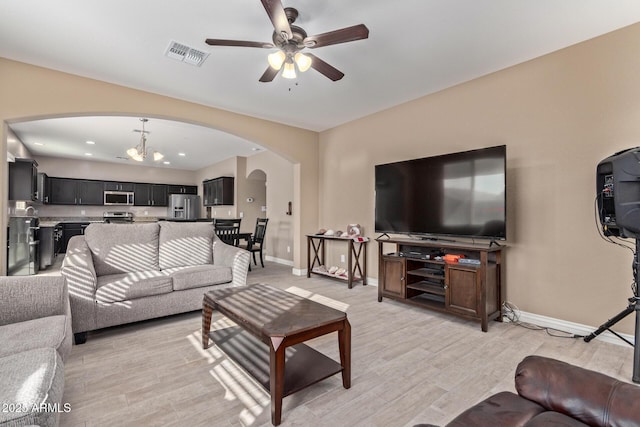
x=415 y=47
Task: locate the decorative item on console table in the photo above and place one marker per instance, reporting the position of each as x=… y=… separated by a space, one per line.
x=424 y=273
x=356 y=269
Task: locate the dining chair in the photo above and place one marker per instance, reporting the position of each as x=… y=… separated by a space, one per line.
x=228 y=230
x=257 y=240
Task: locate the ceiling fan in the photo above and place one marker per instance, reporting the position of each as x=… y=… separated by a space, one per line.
x=291 y=40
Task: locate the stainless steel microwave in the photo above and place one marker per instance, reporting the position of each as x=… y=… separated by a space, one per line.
x=118 y=198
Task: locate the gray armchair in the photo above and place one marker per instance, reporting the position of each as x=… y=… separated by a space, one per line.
x=36 y=337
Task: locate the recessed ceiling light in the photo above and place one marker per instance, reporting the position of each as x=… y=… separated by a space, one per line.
x=255 y=149
x=11 y=140
x=181 y=154
x=38 y=143
x=88 y=154
x=91 y=143
x=167 y=163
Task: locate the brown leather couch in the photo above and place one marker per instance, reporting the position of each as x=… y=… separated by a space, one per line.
x=555 y=393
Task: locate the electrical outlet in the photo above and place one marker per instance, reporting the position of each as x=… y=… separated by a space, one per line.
x=241 y=214
x=83 y=212
x=229 y=213
x=288 y=249
x=146 y=213
x=342 y=258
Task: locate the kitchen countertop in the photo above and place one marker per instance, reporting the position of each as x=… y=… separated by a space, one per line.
x=53 y=221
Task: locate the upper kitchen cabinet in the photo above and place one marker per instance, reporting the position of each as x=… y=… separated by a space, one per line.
x=67 y=191
x=182 y=189
x=23 y=180
x=118 y=186
x=218 y=191
x=150 y=194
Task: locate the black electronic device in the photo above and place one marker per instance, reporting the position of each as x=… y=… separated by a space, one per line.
x=458 y=194
x=618 y=191
x=618 y=202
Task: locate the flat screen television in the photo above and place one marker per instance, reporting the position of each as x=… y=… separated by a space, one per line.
x=458 y=194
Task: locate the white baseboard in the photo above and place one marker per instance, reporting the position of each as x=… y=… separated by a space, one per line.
x=299 y=271
x=279 y=260
x=571 y=327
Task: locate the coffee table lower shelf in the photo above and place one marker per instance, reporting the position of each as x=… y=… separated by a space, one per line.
x=304 y=365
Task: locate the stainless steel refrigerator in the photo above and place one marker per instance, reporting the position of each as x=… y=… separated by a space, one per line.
x=183 y=206
x=23 y=254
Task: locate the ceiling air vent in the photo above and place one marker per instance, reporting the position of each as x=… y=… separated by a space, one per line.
x=185 y=53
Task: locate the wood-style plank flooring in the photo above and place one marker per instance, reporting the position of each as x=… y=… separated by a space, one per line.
x=409 y=366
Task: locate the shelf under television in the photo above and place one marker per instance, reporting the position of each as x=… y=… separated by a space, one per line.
x=428 y=287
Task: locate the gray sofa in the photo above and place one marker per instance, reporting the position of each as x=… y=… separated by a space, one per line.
x=35 y=339
x=122 y=273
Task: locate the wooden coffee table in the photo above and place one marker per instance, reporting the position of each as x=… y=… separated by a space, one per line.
x=272 y=326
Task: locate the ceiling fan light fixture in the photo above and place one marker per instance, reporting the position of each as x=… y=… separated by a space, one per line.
x=276 y=59
x=289 y=71
x=303 y=62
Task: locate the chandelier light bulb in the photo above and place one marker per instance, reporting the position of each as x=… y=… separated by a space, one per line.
x=303 y=62
x=289 y=71
x=276 y=59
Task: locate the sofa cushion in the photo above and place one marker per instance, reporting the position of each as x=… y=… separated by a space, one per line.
x=123 y=248
x=501 y=409
x=51 y=331
x=554 y=419
x=589 y=396
x=198 y=276
x=32 y=382
x=185 y=243
x=128 y=286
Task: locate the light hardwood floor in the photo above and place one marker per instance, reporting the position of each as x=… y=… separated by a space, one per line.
x=409 y=366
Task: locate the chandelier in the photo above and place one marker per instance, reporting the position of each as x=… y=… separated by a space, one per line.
x=139 y=152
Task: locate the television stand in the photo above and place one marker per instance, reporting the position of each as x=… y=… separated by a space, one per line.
x=436 y=239
x=414 y=273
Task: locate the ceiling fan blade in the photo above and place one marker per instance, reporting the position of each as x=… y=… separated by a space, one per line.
x=323 y=68
x=269 y=74
x=278 y=17
x=240 y=43
x=349 y=34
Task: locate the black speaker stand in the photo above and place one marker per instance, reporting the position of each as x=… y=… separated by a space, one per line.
x=634 y=305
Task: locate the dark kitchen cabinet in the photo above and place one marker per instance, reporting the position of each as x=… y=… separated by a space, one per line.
x=159 y=195
x=118 y=186
x=63 y=191
x=23 y=180
x=67 y=191
x=182 y=189
x=91 y=193
x=70 y=229
x=218 y=191
x=150 y=194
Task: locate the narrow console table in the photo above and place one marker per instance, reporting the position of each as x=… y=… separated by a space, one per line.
x=356 y=258
x=415 y=272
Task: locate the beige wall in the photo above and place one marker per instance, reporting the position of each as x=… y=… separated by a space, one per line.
x=256 y=189
x=559 y=115
x=279 y=192
x=30 y=92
